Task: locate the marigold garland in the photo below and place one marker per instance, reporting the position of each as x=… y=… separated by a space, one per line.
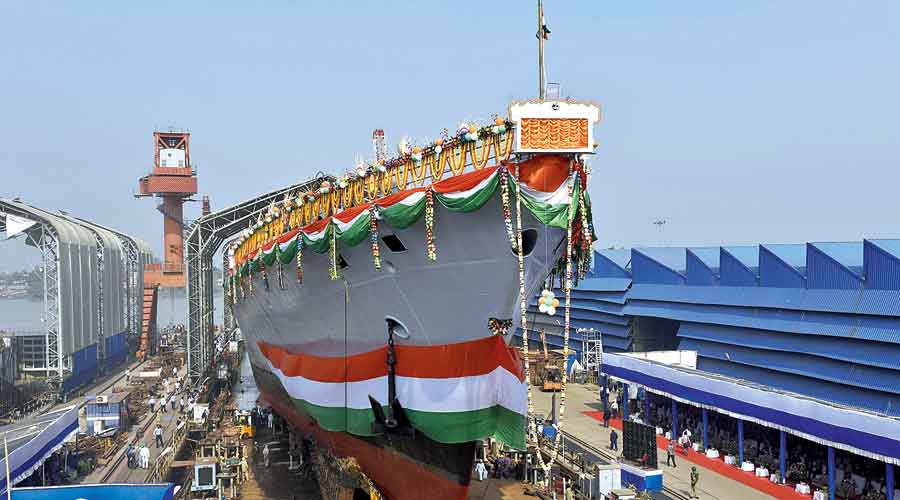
x=418 y=177
x=373 y=235
x=437 y=167
x=386 y=182
x=396 y=173
x=507 y=210
x=554 y=453
x=429 y=225
x=347 y=195
x=299 y=259
x=530 y=427
x=371 y=187
x=402 y=175
x=333 y=271
x=586 y=237
x=458 y=161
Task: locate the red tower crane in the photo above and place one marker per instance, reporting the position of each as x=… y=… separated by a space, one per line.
x=174 y=181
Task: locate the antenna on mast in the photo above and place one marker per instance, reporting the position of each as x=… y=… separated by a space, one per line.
x=542 y=33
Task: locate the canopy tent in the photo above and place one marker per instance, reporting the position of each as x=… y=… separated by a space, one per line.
x=858 y=431
x=33 y=440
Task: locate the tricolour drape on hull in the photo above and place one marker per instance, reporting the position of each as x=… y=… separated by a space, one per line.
x=352 y=226
x=467 y=193
x=287 y=246
x=403 y=209
x=452 y=393
x=317 y=236
x=545 y=192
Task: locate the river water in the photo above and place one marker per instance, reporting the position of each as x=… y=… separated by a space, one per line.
x=25 y=314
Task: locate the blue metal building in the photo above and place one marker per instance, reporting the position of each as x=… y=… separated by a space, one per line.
x=801 y=338
x=819 y=319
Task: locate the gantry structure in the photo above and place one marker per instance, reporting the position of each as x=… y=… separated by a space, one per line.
x=92 y=279
x=205 y=238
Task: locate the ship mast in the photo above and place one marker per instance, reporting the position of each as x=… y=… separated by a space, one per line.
x=540 y=37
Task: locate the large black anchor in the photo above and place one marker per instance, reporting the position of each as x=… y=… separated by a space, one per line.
x=395 y=422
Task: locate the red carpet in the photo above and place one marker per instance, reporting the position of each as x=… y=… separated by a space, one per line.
x=718 y=466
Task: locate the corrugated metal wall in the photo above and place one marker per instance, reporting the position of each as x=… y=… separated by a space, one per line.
x=818 y=319
x=81 y=246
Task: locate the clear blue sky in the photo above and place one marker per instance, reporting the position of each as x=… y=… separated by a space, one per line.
x=739 y=121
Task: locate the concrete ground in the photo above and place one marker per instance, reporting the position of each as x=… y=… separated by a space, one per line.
x=581 y=398
x=497 y=489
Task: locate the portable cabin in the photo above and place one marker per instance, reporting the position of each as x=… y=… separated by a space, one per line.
x=107 y=411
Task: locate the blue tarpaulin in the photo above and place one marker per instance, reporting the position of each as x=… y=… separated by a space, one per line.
x=97 y=492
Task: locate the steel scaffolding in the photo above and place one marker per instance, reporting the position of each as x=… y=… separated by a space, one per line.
x=228 y=324
x=206 y=236
x=85 y=282
x=591 y=349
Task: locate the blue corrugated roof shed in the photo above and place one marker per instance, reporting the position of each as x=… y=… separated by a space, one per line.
x=619 y=256
x=746 y=254
x=707 y=255
x=822 y=316
x=848 y=253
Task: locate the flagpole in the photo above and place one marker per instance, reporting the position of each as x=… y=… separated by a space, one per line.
x=6 y=461
x=540 y=37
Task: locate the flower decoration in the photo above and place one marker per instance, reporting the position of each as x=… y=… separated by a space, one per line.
x=373 y=236
x=325 y=187
x=360 y=170
x=438 y=145
x=507 y=208
x=417 y=154
x=403 y=147
x=299 y=201
x=333 y=271
x=468 y=133
x=310 y=196
x=548 y=303
x=300 y=260
x=431 y=249
x=343 y=182
x=499 y=126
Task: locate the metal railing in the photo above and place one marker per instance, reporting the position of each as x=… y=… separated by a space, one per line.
x=164 y=461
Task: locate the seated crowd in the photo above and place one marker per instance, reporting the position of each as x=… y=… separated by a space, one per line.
x=856 y=477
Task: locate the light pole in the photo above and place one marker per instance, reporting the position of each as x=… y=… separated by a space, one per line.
x=659 y=223
x=6 y=461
